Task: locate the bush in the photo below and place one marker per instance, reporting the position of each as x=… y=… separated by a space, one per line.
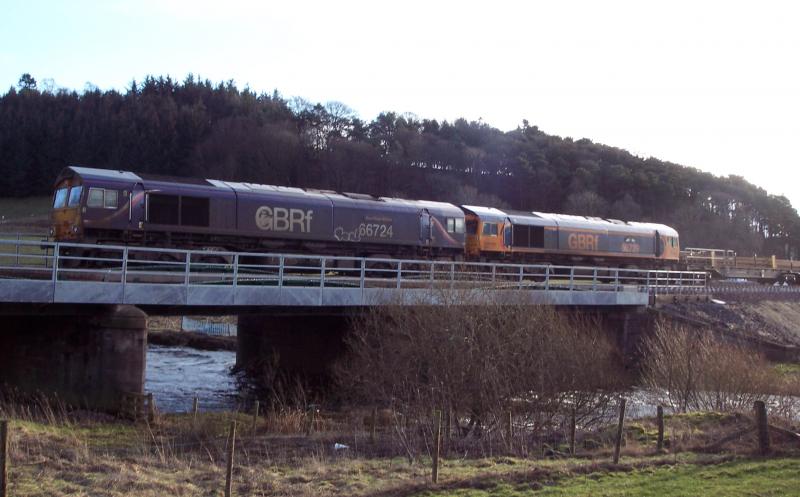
x=696 y=371
x=481 y=363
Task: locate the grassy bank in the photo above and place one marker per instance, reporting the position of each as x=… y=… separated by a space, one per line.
x=59 y=454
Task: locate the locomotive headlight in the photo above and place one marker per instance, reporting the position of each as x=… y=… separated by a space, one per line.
x=52 y=231
x=74 y=229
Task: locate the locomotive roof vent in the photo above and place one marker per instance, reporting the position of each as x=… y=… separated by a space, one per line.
x=362 y=196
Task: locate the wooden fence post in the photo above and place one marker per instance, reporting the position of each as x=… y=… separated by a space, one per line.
x=151 y=408
x=448 y=427
x=437 y=436
x=229 y=472
x=4 y=458
x=373 y=425
x=762 y=427
x=312 y=420
x=660 y=422
x=510 y=433
x=195 y=408
x=618 y=441
x=255 y=417
x=572 y=432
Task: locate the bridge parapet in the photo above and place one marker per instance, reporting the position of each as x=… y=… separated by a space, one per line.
x=50 y=272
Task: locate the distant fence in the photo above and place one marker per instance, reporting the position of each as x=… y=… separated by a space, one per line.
x=207 y=327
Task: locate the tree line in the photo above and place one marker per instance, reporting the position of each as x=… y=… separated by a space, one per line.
x=201 y=129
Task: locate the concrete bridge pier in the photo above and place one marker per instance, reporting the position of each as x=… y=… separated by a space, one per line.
x=300 y=344
x=629 y=326
x=87 y=356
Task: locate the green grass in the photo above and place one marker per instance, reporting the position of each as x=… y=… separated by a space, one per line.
x=788 y=368
x=745 y=477
x=22 y=208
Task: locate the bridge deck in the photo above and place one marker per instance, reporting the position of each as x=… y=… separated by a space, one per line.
x=49 y=272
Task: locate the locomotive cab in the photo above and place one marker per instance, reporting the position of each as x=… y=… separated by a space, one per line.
x=66 y=214
x=90 y=205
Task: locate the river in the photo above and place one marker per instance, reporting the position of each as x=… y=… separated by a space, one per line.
x=175 y=375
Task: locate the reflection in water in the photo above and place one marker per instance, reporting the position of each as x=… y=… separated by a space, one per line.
x=175 y=375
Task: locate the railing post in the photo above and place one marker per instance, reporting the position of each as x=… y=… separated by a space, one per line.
x=521 y=275
x=452 y=274
x=616 y=280
x=547 y=278
x=571 y=278
x=17 y=250
x=321 y=279
x=124 y=271
x=281 y=262
x=235 y=270
x=56 y=250
x=494 y=273
x=594 y=280
x=188 y=268
x=363 y=273
x=399 y=273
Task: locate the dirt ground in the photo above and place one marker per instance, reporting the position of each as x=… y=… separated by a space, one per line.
x=769 y=320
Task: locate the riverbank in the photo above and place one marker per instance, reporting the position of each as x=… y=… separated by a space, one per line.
x=299 y=454
x=200 y=341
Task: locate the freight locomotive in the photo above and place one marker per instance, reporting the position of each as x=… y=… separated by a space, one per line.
x=99 y=206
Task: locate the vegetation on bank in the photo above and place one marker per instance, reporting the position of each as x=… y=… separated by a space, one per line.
x=59 y=453
x=196 y=128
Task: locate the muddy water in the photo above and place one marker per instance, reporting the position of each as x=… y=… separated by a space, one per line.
x=175 y=375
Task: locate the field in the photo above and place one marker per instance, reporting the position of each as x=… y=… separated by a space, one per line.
x=25 y=215
x=60 y=454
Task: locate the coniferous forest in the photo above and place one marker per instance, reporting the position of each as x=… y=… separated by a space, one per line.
x=201 y=129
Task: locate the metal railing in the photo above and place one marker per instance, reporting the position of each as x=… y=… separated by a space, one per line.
x=703 y=258
x=129 y=265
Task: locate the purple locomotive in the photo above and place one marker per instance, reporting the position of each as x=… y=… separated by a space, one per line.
x=120 y=207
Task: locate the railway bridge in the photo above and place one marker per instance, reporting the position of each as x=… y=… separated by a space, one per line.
x=75 y=315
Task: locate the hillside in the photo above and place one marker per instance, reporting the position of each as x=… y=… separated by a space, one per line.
x=196 y=128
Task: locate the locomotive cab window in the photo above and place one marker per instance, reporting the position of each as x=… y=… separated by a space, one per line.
x=75 y=196
x=489 y=229
x=110 y=199
x=455 y=225
x=60 y=200
x=101 y=197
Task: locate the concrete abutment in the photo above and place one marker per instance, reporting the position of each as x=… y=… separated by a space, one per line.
x=86 y=356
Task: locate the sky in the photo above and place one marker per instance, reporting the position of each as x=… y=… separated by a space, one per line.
x=708 y=84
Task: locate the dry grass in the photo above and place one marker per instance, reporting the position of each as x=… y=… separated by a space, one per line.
x=56 y=452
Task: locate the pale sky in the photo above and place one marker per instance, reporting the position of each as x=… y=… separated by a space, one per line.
x=714 y=85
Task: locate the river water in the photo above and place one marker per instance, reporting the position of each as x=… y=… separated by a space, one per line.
x=175 y=375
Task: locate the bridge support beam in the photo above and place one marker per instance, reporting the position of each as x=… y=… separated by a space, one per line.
x=281 y=346
x=89 y=357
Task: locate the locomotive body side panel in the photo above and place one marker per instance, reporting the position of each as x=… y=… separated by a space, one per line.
x=284 y=215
